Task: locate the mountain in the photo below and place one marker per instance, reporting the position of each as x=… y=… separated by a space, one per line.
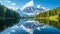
x=31 y=11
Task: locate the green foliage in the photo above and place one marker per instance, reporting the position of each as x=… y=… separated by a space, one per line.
x=49 y=13
x=8 y=17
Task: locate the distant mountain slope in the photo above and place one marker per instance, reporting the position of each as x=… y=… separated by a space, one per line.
x=53 y=14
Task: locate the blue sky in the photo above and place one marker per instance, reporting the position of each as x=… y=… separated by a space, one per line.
x=20 y=3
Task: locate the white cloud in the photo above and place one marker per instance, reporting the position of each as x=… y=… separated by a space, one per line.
x=43 y=7
x=38 y=6
x=7 y=1
x=12 y=7
x=28 y=4
x=0 y=1
x=13 y=4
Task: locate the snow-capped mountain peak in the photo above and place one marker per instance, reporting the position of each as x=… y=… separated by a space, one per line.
x=28 y=5
x=30 y=10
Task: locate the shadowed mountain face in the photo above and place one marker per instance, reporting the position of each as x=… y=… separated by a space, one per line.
x=31 y=11
x=8 y=17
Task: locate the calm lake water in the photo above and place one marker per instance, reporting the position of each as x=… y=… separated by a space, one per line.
x=32 y=26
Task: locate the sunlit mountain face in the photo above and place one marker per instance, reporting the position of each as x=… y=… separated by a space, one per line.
x=30 y=10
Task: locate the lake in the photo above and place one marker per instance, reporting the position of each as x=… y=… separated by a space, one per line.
x=32 y=26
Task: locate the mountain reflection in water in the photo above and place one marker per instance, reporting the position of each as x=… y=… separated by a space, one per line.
x=31 y=26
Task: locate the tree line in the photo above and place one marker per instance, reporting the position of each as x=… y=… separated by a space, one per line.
x=55 y=11
x=8 y=17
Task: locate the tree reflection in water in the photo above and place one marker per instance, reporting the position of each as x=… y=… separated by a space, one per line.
x=55 y=24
